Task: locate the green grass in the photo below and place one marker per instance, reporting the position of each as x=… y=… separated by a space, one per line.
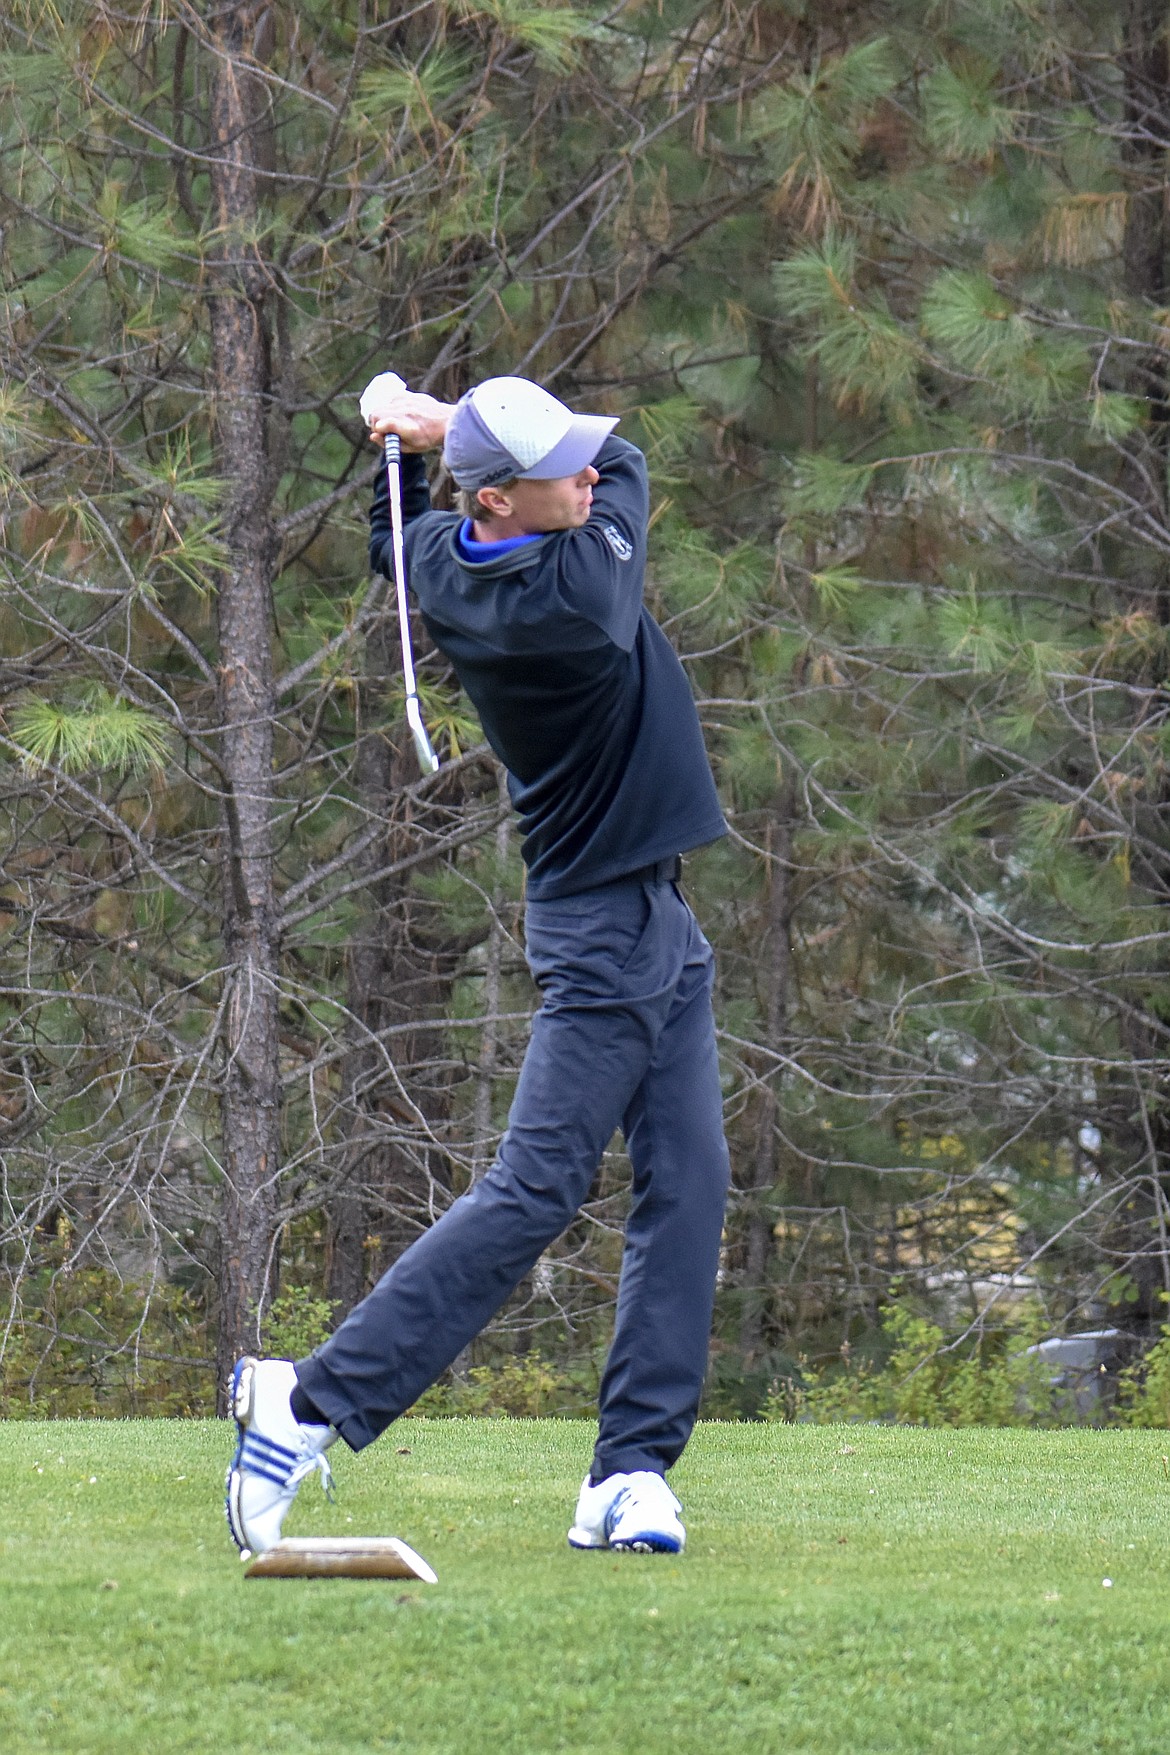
x=845 y=1589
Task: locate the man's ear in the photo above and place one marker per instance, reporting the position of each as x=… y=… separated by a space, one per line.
x=495 y=501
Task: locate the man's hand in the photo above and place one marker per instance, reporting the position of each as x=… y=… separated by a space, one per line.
x=420 y=421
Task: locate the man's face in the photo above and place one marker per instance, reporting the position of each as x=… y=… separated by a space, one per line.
x=537 y=507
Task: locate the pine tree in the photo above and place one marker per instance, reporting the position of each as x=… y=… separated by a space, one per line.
x=966 y=660
x=218 y=222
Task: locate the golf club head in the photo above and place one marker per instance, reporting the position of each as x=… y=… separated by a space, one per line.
x=378 y=393
x=428 y=761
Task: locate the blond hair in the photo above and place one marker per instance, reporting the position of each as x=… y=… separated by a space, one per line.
x=471 y=506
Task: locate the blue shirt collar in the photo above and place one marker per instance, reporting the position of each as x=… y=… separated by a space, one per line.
x=471 y=550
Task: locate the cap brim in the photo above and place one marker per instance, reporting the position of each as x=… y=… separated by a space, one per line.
x=578 y=448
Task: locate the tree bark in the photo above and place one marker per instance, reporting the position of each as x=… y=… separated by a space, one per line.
x=759 y=1219
x=1145 y=65
x=393 y=1180
x=238 y=303
x=381 y=770
x=483 y=1133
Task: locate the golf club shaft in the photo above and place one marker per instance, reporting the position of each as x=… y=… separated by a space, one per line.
x=427 y=759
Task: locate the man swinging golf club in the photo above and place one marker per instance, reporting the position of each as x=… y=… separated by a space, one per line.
x=534 y=593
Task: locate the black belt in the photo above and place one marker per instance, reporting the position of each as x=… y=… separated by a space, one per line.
x=663 y=871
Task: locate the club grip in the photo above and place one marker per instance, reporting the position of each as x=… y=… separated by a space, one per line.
x=392 y=446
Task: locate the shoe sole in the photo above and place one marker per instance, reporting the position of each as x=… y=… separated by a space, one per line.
x=647 y=1544
x=579 y=1538
x=240 y=1400
x=240 y=1392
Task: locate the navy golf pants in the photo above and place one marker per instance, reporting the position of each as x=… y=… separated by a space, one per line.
x=624 y=1037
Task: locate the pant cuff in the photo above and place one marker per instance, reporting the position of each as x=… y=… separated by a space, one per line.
x=337 y=1407
x=625 y=1462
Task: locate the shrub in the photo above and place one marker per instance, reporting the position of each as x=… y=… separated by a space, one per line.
x=88 y=1342
x=927 y=1382
x=1143 y=1397
x=527 y=1386
x=299 y=1319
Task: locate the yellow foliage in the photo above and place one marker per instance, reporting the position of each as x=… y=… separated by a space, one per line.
x=1084 y=228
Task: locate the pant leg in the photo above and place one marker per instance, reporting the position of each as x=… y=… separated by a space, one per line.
x=674 y=1131
x=608 y=963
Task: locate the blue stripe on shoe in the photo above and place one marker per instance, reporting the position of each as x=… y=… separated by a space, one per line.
x=262 y=1465
x=267 y=1474
x=257 y=1441
x=611 y=1515
x=270 y=1460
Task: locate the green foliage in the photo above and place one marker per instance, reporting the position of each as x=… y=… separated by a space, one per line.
x=667 y=434
x=869 y=289
x=31 y=73
x=825 y=484
x=981 y=329
x=1144 y=1392
x=867 y=355
x=751 y=767
x=963 y=116
x=415 y=92
x=808 y=122
x=925 y=1382
x=551 y=31
x=817 y=280
x=1115 y=416
x=87 y=1343
x=525 y=1386
x=836 y=586
x=16 y=429
x=976 y=627
x=193 y=555
x=185 y=472
x=298 y=1321
x=99 y=730
x=145 y=231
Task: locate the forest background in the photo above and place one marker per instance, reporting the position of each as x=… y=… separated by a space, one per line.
x=881 y=289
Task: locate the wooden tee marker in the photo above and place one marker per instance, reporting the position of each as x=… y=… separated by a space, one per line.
x=341 y=1557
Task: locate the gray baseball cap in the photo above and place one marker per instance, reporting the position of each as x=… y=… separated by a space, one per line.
x=508 y=427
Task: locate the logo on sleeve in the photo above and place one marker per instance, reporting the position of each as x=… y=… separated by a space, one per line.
x=621 y=546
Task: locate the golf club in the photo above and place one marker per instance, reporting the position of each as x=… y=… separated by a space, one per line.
x=376 y=393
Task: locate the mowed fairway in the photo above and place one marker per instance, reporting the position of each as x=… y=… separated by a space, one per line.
x=846 y=1589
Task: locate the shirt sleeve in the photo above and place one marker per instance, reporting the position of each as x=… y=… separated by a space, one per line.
x=416 y=499
x=602 y=565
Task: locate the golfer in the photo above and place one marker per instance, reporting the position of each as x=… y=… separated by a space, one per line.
x=534 y=593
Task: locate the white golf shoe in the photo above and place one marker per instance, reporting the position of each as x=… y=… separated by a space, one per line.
x=273 y=1456
x=637 y=1513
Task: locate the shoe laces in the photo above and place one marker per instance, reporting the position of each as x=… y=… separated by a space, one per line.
x=316 y=1461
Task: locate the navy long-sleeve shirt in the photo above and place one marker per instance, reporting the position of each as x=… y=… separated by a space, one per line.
x=578 y=690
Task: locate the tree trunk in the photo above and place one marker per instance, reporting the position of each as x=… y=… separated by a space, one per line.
x=779 y=973
x=241 y=376
x=381 y=770
x=1145 y=63
x=778 y=842
x=391 y=1186
x=483 y=1134
x=482 y=1131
